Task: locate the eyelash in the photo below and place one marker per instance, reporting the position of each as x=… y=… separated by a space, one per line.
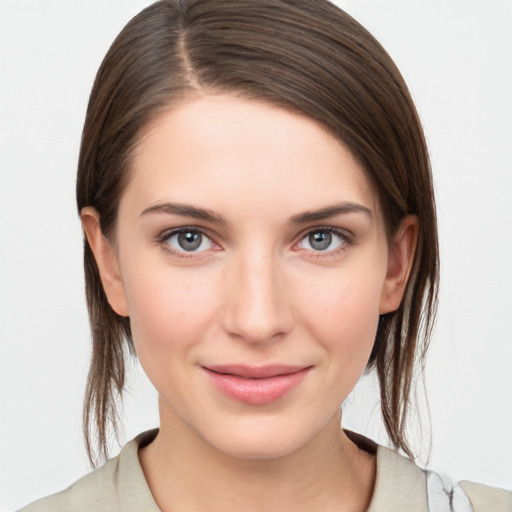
x=164 y=238
x=346 y=237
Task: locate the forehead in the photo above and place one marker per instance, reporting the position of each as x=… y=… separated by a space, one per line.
x=223 y=151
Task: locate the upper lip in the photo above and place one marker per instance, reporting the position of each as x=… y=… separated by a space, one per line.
x=255 y=372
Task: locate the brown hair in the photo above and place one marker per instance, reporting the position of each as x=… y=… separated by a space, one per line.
x=306 y=56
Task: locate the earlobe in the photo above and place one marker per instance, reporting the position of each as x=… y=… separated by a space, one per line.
x=106 y=259
x=401 y=257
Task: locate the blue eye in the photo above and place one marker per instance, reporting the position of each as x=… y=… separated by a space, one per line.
x=322 y=240
x=189 y=240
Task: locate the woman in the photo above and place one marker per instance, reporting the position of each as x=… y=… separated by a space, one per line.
x=260 y=229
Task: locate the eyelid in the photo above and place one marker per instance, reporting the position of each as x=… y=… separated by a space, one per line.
x=342 y=232
x=347 y=237
x=165 y=235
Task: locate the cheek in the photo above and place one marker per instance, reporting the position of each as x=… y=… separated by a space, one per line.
x=168 y=310
x=343 y=316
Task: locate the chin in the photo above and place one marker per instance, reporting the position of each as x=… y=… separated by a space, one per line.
x=258 y=449
x=261 y=439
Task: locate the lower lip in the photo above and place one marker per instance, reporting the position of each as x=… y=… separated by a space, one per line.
x=256 y=391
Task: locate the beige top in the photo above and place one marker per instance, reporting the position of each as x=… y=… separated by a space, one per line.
x=120 y=486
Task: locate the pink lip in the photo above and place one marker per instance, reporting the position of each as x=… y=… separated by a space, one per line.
x=256 y=385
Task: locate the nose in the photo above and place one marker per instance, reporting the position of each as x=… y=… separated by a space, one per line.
x=256 y=308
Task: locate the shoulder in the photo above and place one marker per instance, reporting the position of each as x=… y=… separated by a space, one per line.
x=117 y=486
x=485 y=498
x=95 y=491
x=465 y=496
x=399 y=484
x=402 y=485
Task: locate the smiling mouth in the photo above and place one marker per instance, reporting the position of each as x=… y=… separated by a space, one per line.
x=256 y=385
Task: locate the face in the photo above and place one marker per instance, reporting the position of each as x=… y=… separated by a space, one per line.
x=252 y=260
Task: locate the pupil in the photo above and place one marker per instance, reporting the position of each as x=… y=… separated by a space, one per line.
x=320 y=241
x=189 y=240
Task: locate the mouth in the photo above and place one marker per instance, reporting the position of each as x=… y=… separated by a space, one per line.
x=256 y=385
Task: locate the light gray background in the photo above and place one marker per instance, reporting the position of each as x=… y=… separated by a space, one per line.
x=456 y=56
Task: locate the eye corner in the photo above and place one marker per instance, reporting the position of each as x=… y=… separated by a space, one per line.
x=174 y=241
x=340 y=238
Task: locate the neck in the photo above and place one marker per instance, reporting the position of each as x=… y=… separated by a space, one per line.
x=327 y=473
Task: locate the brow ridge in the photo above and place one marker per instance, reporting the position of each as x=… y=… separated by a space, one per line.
x=185 y=210
x=330 y=211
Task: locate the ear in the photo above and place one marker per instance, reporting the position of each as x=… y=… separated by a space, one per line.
x=106 y=259
x=401 y=256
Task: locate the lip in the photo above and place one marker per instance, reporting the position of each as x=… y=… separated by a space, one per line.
x=256 y=385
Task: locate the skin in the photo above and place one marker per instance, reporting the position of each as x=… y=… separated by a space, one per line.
x=256 y=292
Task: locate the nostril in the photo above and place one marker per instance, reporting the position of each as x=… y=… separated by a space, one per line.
x=257 y=322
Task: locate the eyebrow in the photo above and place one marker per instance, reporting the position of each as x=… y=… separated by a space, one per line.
x=330 y=211
x=185 y=210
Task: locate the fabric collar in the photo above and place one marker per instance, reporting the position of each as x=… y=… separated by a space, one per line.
x=399 y=484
